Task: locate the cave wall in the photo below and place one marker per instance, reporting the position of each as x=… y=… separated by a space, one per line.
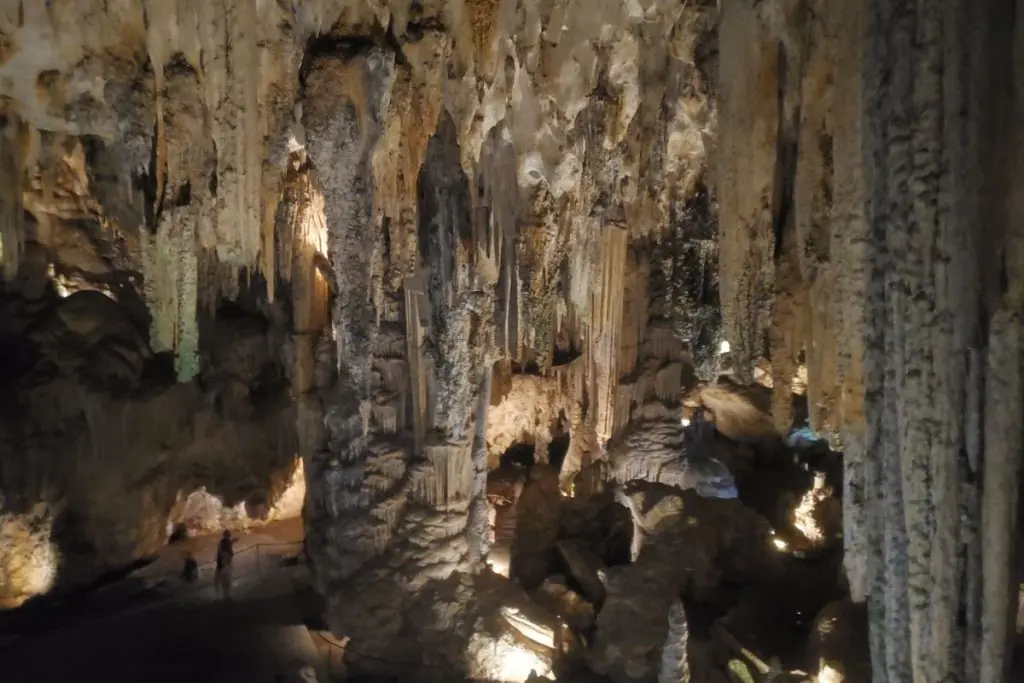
x=407 y=193
x=438 y=206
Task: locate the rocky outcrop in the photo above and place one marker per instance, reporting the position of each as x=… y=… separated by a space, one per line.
x=683 y=538
x=666 y=453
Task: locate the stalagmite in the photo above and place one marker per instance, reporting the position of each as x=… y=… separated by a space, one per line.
x=424 y=233
x=675 y=659
x=479 y=510
x=11 y=212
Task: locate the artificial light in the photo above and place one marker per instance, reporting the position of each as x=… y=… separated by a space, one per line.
x=516 y=663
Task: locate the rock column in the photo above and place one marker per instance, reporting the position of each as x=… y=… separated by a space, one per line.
x=943 y=396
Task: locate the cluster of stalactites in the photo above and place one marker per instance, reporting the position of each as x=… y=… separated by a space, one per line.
x=171 y=270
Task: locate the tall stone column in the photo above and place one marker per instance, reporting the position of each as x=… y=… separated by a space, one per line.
x=348 y=522
x=943 y=395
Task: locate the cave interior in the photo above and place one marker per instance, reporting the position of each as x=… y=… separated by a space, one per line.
x=512 y=340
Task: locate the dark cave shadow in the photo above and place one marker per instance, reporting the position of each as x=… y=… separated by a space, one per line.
x=172 y=642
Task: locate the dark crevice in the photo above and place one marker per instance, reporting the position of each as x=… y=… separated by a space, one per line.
x=212 y=187
x=391 y=40
x=334 y=46
x=785 y=160
x=184 y=195
x=557 y=450
x=522 y=455
x=146 y=183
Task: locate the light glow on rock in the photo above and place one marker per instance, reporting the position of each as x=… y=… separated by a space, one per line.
x=500 y=657
x=724 y=347
x=29 y=559
x=829 y=675
x=517 y=663
x=498 y=564
x=803 y=515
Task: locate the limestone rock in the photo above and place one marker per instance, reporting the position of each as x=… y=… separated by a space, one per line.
x=584 y=567
x=602 y=205
x=659 y=451
x=838 y=646
x=562 y=600
x=537 y=526
x=684 y=536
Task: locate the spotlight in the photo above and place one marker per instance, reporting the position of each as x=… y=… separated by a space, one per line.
x=517 y=663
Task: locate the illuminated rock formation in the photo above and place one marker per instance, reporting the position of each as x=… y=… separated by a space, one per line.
x=402 y=241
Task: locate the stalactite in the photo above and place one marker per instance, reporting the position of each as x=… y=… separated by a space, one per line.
x=170 y=268
x=12 y=172
x=413 y=113
x=416 y=310
x=303 y=242
x=450 y=477
x=229 y=34
x=606 y=307
x=749 y=111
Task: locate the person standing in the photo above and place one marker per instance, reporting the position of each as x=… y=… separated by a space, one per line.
x=191 y=570
x=225 y=556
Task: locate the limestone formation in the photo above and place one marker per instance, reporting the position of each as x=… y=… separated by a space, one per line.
x=675 y=658
x=452 y=272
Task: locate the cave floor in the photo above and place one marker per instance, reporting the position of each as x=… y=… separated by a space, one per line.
x=183 y=634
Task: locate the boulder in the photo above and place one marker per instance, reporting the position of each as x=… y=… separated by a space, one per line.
x=838 y=650
x=583 y=566
x=538 y=514
x=556 y=595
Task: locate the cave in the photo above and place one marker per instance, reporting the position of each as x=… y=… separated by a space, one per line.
x=615 y=342
x=557 y=450
x=520 y=455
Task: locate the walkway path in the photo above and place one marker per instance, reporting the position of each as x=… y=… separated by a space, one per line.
x=182 y=635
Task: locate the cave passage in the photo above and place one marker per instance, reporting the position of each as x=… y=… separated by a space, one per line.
x=519 y=455
x=557 y=449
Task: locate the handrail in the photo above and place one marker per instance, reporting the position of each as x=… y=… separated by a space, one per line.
x=346 y=649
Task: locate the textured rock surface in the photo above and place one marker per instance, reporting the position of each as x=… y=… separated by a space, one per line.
x=685 y=539
x=398 y=238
